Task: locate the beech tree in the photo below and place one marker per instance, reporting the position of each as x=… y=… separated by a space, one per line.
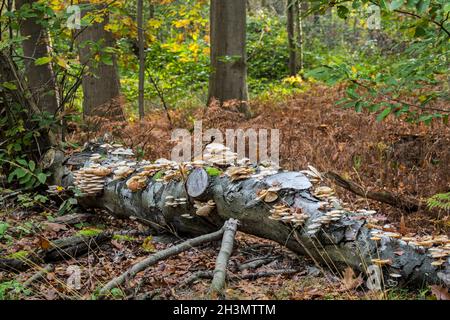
x=228 y=57
x=38 y=70
x=101 y=86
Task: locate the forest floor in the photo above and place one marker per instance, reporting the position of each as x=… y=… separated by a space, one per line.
x=395 y=156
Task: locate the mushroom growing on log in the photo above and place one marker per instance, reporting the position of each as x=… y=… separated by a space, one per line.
x=305 y=217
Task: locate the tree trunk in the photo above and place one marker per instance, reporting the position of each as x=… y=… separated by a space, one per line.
x=101 y=86
x=228 y=56
x=290 y=15
x=299 y=34
x=41 y=79
x=346 y=242
x=140 y=18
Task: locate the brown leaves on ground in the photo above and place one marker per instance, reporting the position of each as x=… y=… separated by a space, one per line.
x=440 y=292
x=350 y=281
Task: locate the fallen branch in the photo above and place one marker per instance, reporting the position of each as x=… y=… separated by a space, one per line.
x=223 y=257
x=39 y=275
x=408 y=205
x=151 y=260
x=256 y=263
x=61 y=249
x=250 y=276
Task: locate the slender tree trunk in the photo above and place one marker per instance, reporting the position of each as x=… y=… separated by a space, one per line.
x=140 y=17
x=299 y=35
x=290 y=14
x=41 y=79
x=228 y=57
x=101 y=86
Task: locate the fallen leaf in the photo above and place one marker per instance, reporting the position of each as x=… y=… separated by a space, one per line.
x=51 y=226
x=440 y=292
x=349 y=280
x=43 y=243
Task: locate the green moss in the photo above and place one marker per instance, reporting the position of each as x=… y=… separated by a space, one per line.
x=19 y=255
x=124 y=238
x=158 y=175
x=91 y=232
x=213 y=172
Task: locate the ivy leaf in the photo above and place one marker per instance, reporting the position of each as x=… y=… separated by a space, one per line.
x=32 y=165
x=42 y=177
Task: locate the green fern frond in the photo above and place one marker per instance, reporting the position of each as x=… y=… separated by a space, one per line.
x=440 y=201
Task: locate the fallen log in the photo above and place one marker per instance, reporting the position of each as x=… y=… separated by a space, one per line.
x=285 y=207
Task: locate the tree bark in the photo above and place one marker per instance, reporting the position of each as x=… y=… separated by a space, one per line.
x=140 y=18
x=299 y=34
x=347 y=242
x=290 y=16
x=228 y=79
x=41 y=79
x=101 y=86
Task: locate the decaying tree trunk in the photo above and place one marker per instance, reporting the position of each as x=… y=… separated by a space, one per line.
x=348 y=242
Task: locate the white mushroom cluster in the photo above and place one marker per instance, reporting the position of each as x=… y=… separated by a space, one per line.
x=283 y=213
x=438 y=246
x=323 y=192
x=268 y=195
x=136 y=183
x=265 y=169
x=329 y=217
x=218 y=154
x=204 y=209
x=122 y=152
x=90 y=180
x=239 y=173
x=173 y=202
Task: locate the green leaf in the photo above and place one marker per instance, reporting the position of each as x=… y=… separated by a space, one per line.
x=43 y=60
x=22 y=162
x=422 y=6
x=32 y=165
x=9 y=85
x=342 y=12
x=384 y=114
x=42 y=177
x=394 y=5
